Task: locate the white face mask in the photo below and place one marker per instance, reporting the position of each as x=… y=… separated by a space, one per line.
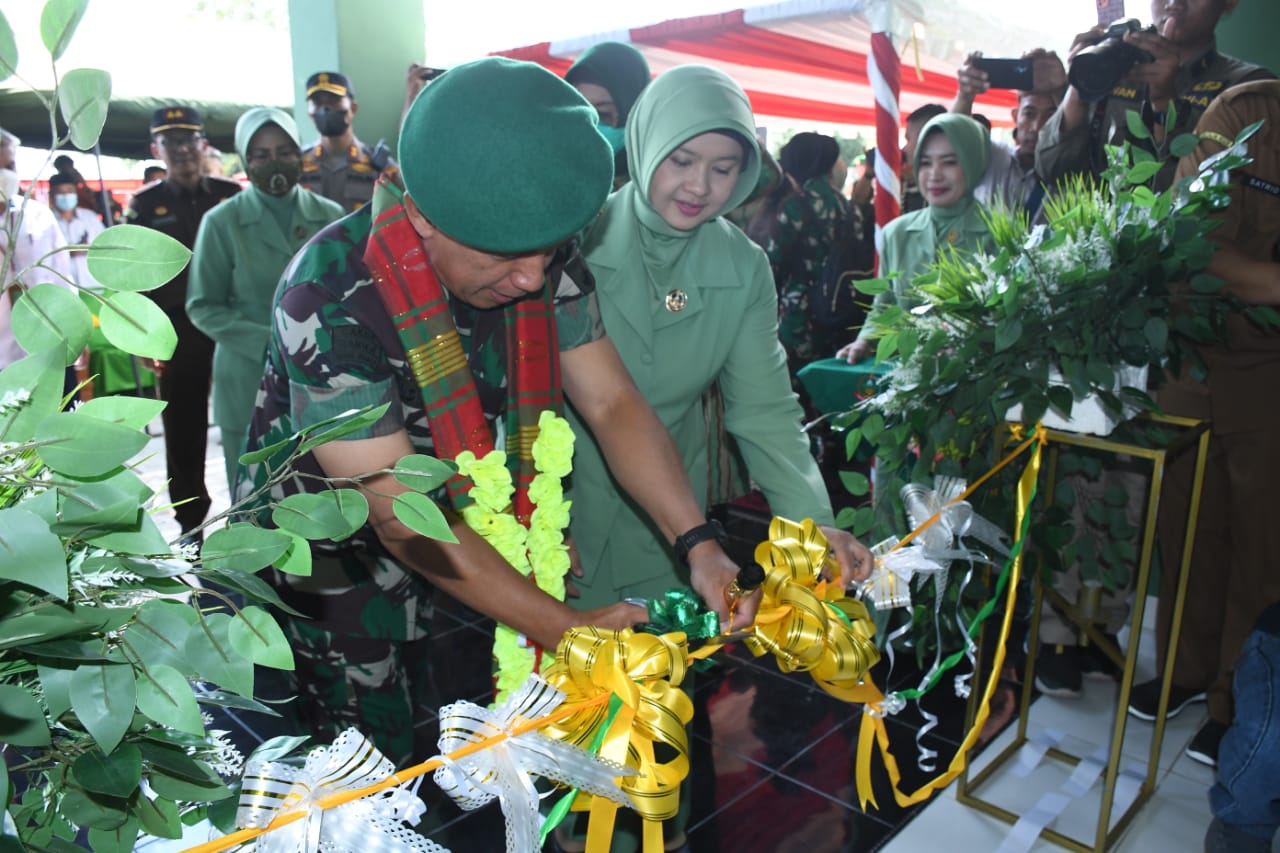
x=65 y=201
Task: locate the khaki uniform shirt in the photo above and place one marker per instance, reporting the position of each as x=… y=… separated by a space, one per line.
x=347 y=179
x=1082 y=150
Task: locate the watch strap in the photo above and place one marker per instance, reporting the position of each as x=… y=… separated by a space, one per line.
x=686 y=541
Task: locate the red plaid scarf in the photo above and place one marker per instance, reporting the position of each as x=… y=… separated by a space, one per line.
x=420 y=310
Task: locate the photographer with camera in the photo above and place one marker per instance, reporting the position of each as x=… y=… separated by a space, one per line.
x=1124 y=67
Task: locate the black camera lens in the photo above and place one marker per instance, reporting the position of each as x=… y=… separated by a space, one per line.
x=1095 y=70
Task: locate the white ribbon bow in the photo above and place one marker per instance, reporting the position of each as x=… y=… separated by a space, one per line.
x=506 y=770
x=372 y=824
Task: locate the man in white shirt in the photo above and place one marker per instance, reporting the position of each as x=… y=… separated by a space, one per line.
x=78 y=226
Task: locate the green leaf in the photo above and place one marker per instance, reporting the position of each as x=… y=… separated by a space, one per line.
x=56 y=681
x=296 y=560
x=1137 y=129
x=122 y=839
x=1060 y=398
x=165 y=696
x=97 y=505
x=83 y=446
x=49 y=315
x=159 y=817
x=96 y=811
x=83 y=97
x=886 y=347
x=145 y=540
x=420 y=514
x=137 y=325
x=174 y=761
x=255 y=634
x=1202 y=282
x=262 y=454
x=344 y=424
x=855 y=482
x=872 y=286
x=104 y=697
x=31 y=554
x=423 y=473
x=1008 y=333
x=41 y=375
x=249 y=585
x=244 y=548
x=1183 y=144
x=116 y=774
x=1156 y=331
x=134 y=412
x=1142 y=172
x=186 y=791
x=58 y=22
x=134 y=258
x=22 y=721
x=332 y=514
x=215 y=658
x=8 y=49
x=159 y=632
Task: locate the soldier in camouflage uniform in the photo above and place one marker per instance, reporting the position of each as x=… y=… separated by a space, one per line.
x=335 y=346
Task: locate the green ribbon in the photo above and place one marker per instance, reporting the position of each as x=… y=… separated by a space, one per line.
x=563 y=806
x=681 y=610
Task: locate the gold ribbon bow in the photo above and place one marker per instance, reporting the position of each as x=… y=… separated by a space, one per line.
x=805 y=621
x=644 y=672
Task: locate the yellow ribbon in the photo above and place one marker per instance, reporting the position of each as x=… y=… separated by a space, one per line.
x=873 y=728
x=644 y=671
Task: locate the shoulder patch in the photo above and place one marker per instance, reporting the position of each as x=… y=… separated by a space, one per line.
x=355 y=345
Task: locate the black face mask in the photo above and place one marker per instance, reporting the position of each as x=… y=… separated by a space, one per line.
x=330 y=122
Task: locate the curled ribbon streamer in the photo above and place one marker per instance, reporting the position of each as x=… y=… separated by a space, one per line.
x=370 y=825
x=808 y=624
x=505 y=771
x=644 y=671
x=873 y=730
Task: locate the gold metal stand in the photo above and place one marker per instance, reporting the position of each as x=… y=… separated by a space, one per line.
x=1194 y=435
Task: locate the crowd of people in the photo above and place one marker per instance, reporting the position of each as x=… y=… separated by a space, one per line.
x=650 y=273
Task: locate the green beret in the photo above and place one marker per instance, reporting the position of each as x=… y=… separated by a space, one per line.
x=504 y=156
x=618 y=67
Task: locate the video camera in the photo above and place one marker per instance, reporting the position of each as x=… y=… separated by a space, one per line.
x=1096 y=69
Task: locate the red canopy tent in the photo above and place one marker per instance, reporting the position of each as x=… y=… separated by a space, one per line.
x=807 y=59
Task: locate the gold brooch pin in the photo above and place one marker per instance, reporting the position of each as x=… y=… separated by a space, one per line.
x=952 y=237
x=677 y=300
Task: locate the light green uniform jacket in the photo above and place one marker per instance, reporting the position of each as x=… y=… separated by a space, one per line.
x=240 y=255
x=726 y=331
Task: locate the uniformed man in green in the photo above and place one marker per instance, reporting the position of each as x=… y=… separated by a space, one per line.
x=1186 y=72
x=339 y=166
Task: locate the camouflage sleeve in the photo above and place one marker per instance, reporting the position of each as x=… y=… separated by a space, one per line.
x=334 y=363
x=578 y=318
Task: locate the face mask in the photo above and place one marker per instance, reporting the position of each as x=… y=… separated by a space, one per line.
x=330 y=122
x=275 y=177
x=65 y=202
x=615 y=136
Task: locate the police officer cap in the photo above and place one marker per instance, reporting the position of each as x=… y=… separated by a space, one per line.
x=504 y=156
x=331 y=82
x=175 y=117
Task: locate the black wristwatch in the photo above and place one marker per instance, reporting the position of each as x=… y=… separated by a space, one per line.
x=696 y=536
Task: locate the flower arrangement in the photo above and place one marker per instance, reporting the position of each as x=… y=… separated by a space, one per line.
x=540 y=548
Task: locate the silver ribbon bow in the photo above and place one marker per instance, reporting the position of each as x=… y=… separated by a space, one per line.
x=372 y=824
x=507 y=769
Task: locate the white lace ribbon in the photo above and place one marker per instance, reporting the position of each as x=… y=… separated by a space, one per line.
x=507 y=769
x=372 y=824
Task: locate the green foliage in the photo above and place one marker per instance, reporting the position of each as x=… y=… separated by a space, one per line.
x=1101 y=286
x=105 y=627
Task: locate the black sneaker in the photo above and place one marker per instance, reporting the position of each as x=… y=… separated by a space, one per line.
x=1144 y=699
x=1058 y=671
x=1097 y=664
x=1204 y=746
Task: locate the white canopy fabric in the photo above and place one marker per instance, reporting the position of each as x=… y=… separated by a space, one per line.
x=807 y=59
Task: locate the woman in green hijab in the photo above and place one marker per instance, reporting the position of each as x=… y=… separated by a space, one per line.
x=241 y=249
x=689 y=301
x=951 y=158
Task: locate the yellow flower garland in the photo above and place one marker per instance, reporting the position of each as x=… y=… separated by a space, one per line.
x=539 y=548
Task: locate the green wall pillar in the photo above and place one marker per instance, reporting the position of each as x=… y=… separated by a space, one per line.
x=372 y=42
x=1249 y=33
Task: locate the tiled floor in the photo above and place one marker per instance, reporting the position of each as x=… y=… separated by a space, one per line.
x=773 y=757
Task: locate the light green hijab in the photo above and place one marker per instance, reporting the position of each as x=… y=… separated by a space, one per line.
x=682 y=103
x=973 y=149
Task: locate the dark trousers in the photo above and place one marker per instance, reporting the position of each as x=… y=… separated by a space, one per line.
x=184 y=385
x=1234 y=574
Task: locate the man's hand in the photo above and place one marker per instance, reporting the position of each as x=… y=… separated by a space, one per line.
x=615 y=617
x=1048 y=74
x=155 y=365
x=711 y=571
x=856 y=351
x=854 y=558
x=973 y=82
x=1161 y=74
